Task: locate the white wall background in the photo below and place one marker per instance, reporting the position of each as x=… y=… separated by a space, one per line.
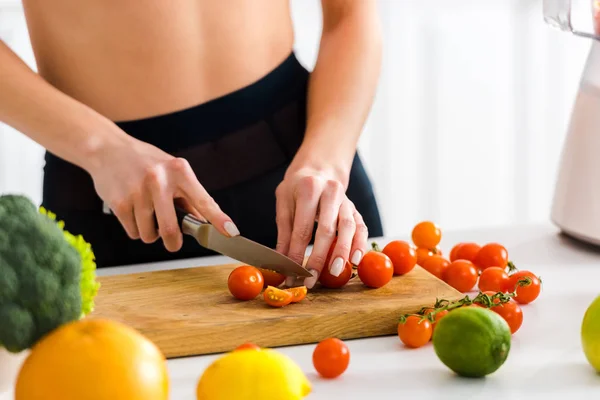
x=469 y=119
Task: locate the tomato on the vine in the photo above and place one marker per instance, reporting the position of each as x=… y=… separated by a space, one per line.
x=491 y=255
x=247 y=346
x=426 y=235
x=375 y=269
x=245 y=282
x=466 y=251
x=493 y=279
x=403 y=256
x=271 y=278
x=415 y=331
x=439 y=315
x=527 y=293
x=436 y=265
x=461 y=275
x=331 y=358
x=298 y=293
x=277 y=297
x=335 y=282
x=512 y=314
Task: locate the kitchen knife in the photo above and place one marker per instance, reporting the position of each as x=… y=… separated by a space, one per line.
x=238 y=247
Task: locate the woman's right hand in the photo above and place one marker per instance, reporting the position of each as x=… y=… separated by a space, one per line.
x=140 y=184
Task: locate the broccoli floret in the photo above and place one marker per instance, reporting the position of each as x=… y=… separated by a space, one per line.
x=40 y=275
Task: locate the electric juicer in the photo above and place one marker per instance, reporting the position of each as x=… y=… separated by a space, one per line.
x=576 y=202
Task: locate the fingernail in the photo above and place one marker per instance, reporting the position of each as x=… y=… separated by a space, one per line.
x=231 y=229
x=310 y=282
x=337 y=267
x=356 y=257
x=290 y=280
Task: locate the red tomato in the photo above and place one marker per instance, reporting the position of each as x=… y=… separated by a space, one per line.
x=335 y=282
x=403 y=256
x=272 y=278
x=247 y=346
x=375 y=269
x=461 y=275
x=524 y=294
x=493 y=279
x=467 y=251
x=298 y=293
x=512 y=314
x=277 y=297
x=331 y=358
x=415 y=332
x=426 y=234
x=245 y=282
x=455 y=250
x=491 y=255
x=438 y=316
x=436 y=265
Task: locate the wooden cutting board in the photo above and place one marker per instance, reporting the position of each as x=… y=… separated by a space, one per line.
x=190 y=312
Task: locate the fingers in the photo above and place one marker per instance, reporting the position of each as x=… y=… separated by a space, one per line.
x=307 y=200
x=144 y=217
x=361 y=237
x=346 y=231
x=199 y=198
x=284 y=210
x=125 y=215
x=329 y=210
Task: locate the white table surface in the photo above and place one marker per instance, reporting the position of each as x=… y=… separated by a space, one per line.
x=545 y=361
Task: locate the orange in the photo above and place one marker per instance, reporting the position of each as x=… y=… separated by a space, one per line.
x=93 y=359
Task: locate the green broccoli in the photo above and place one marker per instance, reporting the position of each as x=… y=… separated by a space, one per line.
x=47 y=275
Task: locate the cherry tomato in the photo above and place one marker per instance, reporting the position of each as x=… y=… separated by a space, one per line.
x=277 y=297
x=467 y=251
x=439 y=315
x=422 y=255
x=298 y=293
x=493 y=279
x=491 y=255
x=524 y=294
x=426 y=234
x=331 y=358
x=335 y=282
x=403 y=256
x=245 y=282
x=375 y=269
x=415 y=331
x=272 y=278
x=512 y=314
x=436 y=265
x=247 y=346
x=454 y=251
x=461 y=275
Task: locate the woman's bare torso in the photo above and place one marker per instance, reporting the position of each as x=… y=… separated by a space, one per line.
x=128 y=59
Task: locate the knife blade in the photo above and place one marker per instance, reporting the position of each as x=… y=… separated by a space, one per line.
x=239 y=248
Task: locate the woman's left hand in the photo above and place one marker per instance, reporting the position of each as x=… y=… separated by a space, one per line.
x=307 y=195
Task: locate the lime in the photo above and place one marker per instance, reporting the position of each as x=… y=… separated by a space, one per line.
x=590 y=334
x=472 y=341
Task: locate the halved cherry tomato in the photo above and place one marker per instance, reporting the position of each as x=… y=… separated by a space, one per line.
x=375 y=269
x=467 y=251
x=461 y=275
x=493 y=279
x=491 y=255
x=335 y=282
x=331 y=358
x=426 y=235
x=298 y=293
x=524 y=294
x=415 y=331
x=403 y=256
x=247 y=346
x=277 y=297
x=245 y=282
x=436 y=265
x=272 y=278
x=512 y=314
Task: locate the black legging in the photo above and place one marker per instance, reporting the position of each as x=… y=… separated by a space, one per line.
x=239 y=146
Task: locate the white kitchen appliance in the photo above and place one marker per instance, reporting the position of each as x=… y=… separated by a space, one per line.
x=576 y=203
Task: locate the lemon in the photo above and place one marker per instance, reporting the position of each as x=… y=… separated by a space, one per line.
x=590 y=334
x=472 y=342
x=250 y=375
